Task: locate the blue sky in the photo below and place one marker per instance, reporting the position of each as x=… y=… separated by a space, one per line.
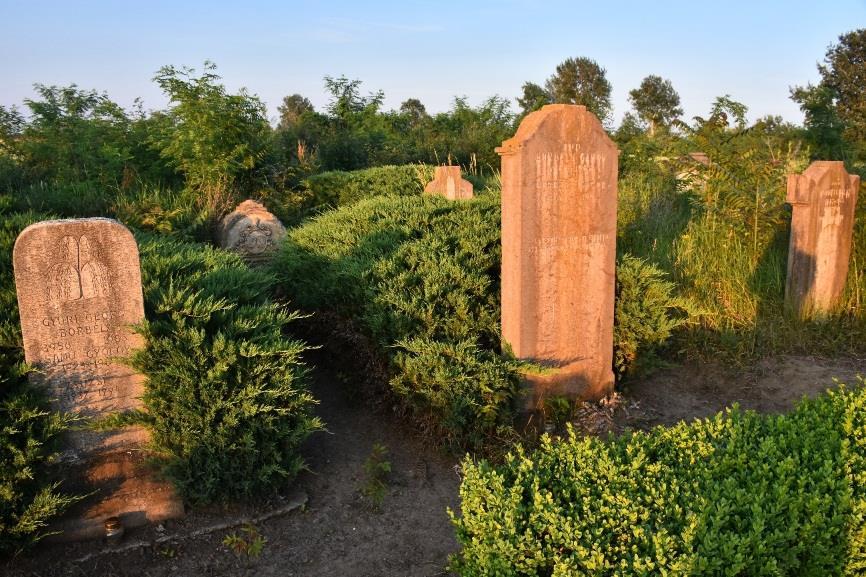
x=433 y=51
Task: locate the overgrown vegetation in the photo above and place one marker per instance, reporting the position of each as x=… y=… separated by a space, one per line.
x=702 y=240
x=421 y=277
x=29 y=430
x=226 y=392
x=737 y=494
x=718 y=225
x=328 y=190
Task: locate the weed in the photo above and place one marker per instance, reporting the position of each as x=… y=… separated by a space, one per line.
x=376 y=470
x=247 y=542
x=556 y=411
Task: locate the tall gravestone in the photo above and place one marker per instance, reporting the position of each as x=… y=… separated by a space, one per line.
x=559 y=195
x=448 y=182
x=823 y=199
x=79 y=290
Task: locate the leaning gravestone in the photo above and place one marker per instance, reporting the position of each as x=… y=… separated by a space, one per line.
x=559 y=194
x=251 y=231
x=79 y=290
x=448 y=182
x=823 y=200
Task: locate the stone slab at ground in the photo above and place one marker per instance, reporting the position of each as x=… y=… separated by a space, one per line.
x=823 y=199
x=251 y=231
x=559 y=196
x=448 y=182
x=79 y=291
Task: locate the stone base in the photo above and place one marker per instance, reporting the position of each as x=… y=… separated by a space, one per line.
x=536 y=387
x=117 y=484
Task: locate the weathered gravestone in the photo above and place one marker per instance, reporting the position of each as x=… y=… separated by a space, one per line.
x=559 y=194
x=79 y=290
x=252 y=231
x=823 y=200
x=447 y=182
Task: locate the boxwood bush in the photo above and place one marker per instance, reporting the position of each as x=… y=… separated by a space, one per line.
x=737 y=494
x=421 y=276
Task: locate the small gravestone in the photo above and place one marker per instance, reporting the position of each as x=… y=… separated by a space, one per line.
x=251 y=231
x=447 y=182
x=79 y=290
x=559 y=195
x=823 y=200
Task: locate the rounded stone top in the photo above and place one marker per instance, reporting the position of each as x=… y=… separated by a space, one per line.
x=105 y=225
x=567 y=118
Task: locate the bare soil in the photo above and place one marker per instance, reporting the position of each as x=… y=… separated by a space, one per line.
x=772 y=385
x=338 y=532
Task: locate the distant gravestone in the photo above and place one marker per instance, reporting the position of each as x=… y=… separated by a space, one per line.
x=79 y=290
x=559 y=196
x=823 y=200
x=448 y=182
x=251 y=231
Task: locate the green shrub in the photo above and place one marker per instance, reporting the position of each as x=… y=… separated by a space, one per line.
x=76 y=200
x=226 y=392
x=723 y=234
x=337 y=188
x=29 y=431
x=647 y=314
x=164 y=211
x=737 y=494
x=421 y=276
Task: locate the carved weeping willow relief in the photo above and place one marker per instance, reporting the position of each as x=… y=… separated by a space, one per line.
x=79 y=271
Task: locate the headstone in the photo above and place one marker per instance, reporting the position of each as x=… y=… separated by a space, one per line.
x=559 y=195
x=252 y=231
x=79 y=290
x=447 y=182
x=692 y=174
x=823 y=200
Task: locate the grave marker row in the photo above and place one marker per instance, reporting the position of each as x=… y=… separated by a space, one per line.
x=79 y=292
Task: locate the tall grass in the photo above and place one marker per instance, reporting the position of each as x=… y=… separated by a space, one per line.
x=733 y=266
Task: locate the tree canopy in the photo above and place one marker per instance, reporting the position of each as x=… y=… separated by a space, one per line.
x=582 y=81
x=656 y=102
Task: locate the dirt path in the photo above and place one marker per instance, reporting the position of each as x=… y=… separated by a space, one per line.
x=337 y=534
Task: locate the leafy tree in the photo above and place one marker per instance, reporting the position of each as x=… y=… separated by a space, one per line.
x=835 y=109
x=723 y=112
x=346 y=100
x=844 y=75
x=356 y=134
x=823 y=126
x=74 y=135
x=414 y=111
x=656 y=102
x=582 y=81
x=469 y=135
x=533 y=98
x=292 y=109
x=11 y=125
x=631 y=127
x=216 y=139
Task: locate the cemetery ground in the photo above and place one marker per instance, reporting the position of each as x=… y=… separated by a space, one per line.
x=672 y=274
x=323 y=524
